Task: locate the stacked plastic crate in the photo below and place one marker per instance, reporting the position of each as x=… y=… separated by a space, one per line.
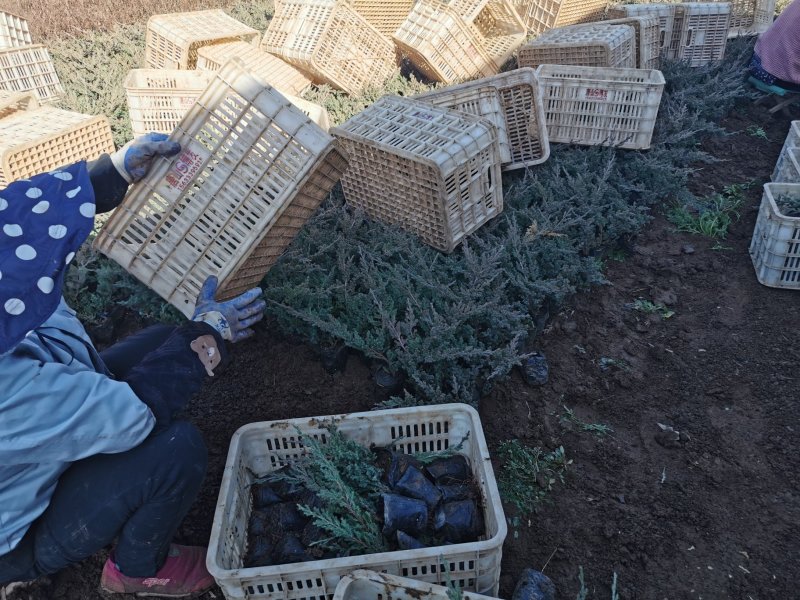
x=593 y=45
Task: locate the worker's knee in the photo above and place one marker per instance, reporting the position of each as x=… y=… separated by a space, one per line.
x=183 y=448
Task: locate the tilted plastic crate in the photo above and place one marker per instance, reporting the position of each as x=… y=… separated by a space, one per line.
x=331 y=42
x=384 y=15
x=787 y=170
x=158 y=98
x=42 y=139
x=14 y=31
x=541 y=15
x=648 y=39
x=749 y=17
x=260 y=448
x=30 y=68
x=597 y=106
x=775 y=247
x=271 y=69
x=512 y=101
x=172 y=39
x=369 y=585
x=792 y=139
x=592 y=45
x=252 y=170
x=12 y=102
x=432 y=171
x=463 y=39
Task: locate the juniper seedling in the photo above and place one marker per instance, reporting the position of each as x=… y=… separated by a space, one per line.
x=599 y=429
x=528 y=474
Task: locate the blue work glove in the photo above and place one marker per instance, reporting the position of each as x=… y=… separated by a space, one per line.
x=232 y=318
x=136 y=157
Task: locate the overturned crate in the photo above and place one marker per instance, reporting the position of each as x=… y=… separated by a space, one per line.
x=12 y=102
x=432 y=171
x=593 y=45
x=44 y=138
x=384 y=15
x=792 y=140
x=331 y=42
x=598 y=106
x=14 y=31
x=462 y=39
x=541 y=15
x=30 y=69
x=172 y=39
x=648 y=39
x=369 y=585
x=512 y=101
x=775 y=247
x=252 y=170
x=258 y=449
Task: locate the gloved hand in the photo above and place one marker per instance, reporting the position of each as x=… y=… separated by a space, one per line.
x=135 y=158
x=232 y=318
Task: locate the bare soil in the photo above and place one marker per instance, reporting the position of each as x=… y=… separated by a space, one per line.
x=712 y=517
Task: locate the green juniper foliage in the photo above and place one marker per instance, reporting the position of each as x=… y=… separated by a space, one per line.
x=528 y=474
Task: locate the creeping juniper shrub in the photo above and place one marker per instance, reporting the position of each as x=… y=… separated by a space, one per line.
x=528 y=474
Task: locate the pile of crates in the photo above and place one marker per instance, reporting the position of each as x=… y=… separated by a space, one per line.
x=25 y=66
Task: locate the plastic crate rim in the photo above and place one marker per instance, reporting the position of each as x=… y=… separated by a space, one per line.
x=769 y=195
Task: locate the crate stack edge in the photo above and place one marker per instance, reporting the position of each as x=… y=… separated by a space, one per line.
x=648 y=39
x=592 y=45
x=792 y=140
x=775 y=247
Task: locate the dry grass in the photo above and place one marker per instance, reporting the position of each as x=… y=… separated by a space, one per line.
x=55 y=18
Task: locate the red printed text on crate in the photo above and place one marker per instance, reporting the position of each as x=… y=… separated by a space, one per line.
x=186 y=167
x=596 y=94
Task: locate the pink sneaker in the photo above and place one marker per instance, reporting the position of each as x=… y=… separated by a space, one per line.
x=183 y=575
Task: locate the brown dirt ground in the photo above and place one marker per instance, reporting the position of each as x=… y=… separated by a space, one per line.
x=714 y=519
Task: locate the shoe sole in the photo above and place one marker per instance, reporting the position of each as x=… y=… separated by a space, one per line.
x=111 y=595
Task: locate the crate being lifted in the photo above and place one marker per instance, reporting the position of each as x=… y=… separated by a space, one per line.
x=14 y=31
x=512 y=101
x=432 y=171
x=369 y=585
x=598 y=106
x=775 y=247
x=44 y=138
x=30 y=69
x=331 y=42
x=462 y=39
x=258 y=449
x=694 y=32
x=172 y=39
x=648 y=39
x=592 y=45
x=541 y=15
x=252 y=170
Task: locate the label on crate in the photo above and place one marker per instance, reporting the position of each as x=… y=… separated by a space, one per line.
x=186 y=167
x=596 y=94
x=423 y=115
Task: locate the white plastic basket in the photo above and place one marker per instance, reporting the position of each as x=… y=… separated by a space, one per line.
x=369 y=585
x=775 y=247
x=260 y=448
x=788 y=168
x=14 y=31
x=792 y=140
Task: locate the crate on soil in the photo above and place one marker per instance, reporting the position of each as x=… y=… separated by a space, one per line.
x=792 y=139
x=463 y=39
x=599 y=106
x=384 y=15
x=694 y=32
x=172 y=39
x=432 y=171
x=787 y=170
x=14 y=31
x=775 y=247
x=278 y=73
x=30 y=68
x=12 y=102
x=252 y=170
x=541 y=15
x=369 y=585
x=648 y=39
x=331 y=42
x=593 y=45
x=159 y=98
x=512 y=101
x=44 y=138
x=260 y=448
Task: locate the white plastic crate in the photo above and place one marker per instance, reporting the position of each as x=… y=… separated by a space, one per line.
x=260 y=448
x=775 y=247
x=30 y=69
x=648 y=39
x=369 y=585
x=596 y=106
x=541 y=15
x=788 y=167
x=12 y=102
x=592 y=45
x=14 y=31
x=749 y=17
x=792 y=140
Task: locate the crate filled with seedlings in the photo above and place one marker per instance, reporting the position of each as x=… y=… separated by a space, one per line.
x=30 y=69
x=787 y=170
x=369 y=585
x=44 y=138
x=593 y=45
x=252 y=169
x=408 y=492
x=648 y=39
x=541 y=15
x=432 y=171
x=331 y=42
x=172 y=39
x=792 y=141
x=14 y=31
x=775 y=247
x=596 y=106
x=512 y=101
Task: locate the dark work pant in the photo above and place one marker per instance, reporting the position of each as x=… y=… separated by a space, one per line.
x=139 y=496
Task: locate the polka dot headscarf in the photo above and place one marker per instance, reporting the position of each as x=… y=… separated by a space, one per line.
x=43 y=222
